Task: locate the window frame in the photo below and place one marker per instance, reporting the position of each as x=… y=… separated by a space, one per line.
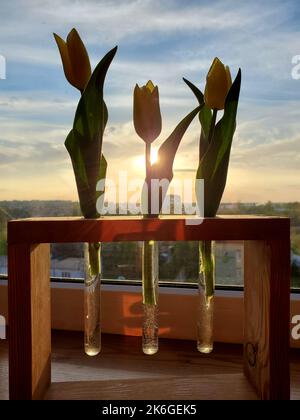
x=228 y=310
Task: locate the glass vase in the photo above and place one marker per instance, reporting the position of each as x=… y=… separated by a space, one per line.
x=92 y=296
x=206 y=288
x=150 y=269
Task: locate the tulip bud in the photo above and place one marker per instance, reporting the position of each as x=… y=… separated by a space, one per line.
x=75 y=59
x=218 y=83
x=146 y=112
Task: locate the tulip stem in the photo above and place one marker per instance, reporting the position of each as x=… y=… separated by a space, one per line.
x=148 y=175
x=212 y=125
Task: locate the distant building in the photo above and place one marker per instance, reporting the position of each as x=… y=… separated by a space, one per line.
x=229 y=263
x=227 y=206
x=67 y=268
x=3 y=265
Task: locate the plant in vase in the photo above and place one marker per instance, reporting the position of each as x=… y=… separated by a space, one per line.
x=84 y=144
x=214 y=152
x=147 y=123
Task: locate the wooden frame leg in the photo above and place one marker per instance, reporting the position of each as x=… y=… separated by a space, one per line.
x=29 y=320
x=267 y=312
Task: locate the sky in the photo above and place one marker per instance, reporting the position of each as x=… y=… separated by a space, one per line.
x=162 y=40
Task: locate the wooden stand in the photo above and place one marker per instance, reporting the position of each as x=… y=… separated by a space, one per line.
x=267 y=289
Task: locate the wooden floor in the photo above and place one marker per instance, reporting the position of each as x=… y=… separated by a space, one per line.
x=177 y=371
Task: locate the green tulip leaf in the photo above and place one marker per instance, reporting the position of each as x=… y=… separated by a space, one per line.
x=213 y=166
x=205 y=116
x=197 y=92
x=102 y=173
x=87 y=196
x=163 y=168
x=91 y=105
x=228 y=122
x=84 y=142
x=73 y=147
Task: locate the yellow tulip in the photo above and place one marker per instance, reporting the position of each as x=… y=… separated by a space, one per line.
x=75 y=59
x=146 y=112
x=218 y=83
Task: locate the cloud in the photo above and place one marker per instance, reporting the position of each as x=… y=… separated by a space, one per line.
x=16 y=155
x=24 y=103
x=276 y=155
x=121 y=19
x=161 y=40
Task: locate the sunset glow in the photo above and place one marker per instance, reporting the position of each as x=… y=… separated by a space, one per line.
x=140 y=160
x=37 y=106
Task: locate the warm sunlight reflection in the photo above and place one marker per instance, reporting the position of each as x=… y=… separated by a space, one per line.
x=127 y=320
x=154 y=155
x=140 y=160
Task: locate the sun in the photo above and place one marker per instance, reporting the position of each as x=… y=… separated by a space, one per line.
x=140 y=160
x=154 y=155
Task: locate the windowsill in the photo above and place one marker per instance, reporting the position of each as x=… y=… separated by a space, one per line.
x=122 y=311
x=177 y=371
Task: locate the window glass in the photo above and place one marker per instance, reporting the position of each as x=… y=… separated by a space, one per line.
x=178 y=261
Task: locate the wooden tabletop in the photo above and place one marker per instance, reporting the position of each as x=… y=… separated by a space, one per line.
x=122 y=371
x=129 y=228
